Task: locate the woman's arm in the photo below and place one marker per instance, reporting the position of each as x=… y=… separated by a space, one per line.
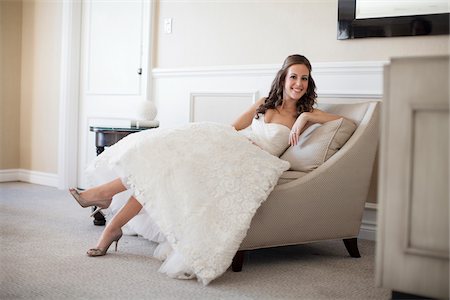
x=306 y=119
x=244 y=120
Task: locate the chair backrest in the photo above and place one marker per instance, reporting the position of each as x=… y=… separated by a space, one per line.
x=365 y=116
x=354 y=111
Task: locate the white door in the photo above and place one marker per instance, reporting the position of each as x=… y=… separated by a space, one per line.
x=115 y=55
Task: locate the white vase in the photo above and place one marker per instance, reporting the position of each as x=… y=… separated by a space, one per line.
x=146 y=110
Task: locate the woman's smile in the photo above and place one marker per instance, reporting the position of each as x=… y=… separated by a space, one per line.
x=296 y=82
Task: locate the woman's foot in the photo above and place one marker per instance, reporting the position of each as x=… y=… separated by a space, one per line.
x=90 y=198
x=107 y=238
x=100 y=196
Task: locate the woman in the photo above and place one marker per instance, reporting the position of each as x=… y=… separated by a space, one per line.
x=276 y=122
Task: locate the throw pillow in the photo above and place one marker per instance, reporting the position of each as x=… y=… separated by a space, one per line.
x=318 y=143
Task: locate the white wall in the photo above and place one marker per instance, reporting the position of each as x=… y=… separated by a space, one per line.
x=222 y=32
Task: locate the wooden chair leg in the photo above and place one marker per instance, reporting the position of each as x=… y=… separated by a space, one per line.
x=352 y=247
x=238 y=261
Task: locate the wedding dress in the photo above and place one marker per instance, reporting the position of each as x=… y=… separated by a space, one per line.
x=199 y=186
x=271 y=137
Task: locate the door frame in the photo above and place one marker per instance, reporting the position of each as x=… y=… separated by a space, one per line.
x=70 y=88
x=69 y=94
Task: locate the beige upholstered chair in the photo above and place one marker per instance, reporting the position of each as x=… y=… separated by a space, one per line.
x=325 y=203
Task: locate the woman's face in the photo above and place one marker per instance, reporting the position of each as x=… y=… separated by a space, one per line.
x=296 y=82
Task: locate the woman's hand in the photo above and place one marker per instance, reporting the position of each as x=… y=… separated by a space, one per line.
x=298 y=127
x=306 y=119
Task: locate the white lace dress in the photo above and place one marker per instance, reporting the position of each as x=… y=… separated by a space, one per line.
x=271 y=137
x=193 y=182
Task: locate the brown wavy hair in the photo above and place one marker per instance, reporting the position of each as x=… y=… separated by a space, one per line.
x=275 y=98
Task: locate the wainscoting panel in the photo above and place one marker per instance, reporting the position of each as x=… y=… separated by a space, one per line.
x=219 y=107
x=336 y=82
x=358 y=80
x=173 y=94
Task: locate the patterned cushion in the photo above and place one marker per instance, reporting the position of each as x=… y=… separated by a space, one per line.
x=318 y=143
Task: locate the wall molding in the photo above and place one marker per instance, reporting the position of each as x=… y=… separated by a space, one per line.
x=350 y=67
x=29 y=176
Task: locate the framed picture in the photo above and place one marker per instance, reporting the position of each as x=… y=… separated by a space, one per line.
x=385 y=18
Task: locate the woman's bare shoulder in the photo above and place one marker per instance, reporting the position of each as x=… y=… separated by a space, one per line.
x=260 y=101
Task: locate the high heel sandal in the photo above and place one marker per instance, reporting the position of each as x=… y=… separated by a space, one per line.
x=102 y=251
x=101 y=204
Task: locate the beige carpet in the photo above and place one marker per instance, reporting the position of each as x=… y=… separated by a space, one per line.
x=44 y=236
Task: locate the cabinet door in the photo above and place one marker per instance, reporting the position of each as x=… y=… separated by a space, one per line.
x=114 y=66
x=413 y=235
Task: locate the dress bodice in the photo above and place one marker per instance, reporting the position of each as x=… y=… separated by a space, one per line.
x=271 y=137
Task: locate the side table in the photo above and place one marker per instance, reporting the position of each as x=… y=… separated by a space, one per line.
x=105 y=137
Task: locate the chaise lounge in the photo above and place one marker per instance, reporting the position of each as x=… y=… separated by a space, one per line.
x=323 y=197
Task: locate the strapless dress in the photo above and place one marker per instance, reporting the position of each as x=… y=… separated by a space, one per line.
x=271 y=137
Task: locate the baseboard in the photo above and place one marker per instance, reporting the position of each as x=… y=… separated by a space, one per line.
x=368 y=230
x=9 y=175
x=30 y=176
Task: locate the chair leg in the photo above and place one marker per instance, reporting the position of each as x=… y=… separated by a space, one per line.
x=352 y=247
x=238 y=261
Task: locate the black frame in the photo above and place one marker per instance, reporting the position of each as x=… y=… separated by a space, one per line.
x=350 y=28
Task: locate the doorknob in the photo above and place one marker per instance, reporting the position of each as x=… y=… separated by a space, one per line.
x=139 y=71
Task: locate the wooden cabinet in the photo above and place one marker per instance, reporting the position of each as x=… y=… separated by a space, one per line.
x=413 y=220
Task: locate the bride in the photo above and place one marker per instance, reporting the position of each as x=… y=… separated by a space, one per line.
x=201 y=184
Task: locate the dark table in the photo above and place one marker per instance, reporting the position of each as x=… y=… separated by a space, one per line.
x=105 y=137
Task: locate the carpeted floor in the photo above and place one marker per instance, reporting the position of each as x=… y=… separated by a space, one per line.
x=45 y=234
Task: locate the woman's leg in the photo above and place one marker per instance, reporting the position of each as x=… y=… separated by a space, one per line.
x=104 y=192
x=100 y=196
x=113 y=229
